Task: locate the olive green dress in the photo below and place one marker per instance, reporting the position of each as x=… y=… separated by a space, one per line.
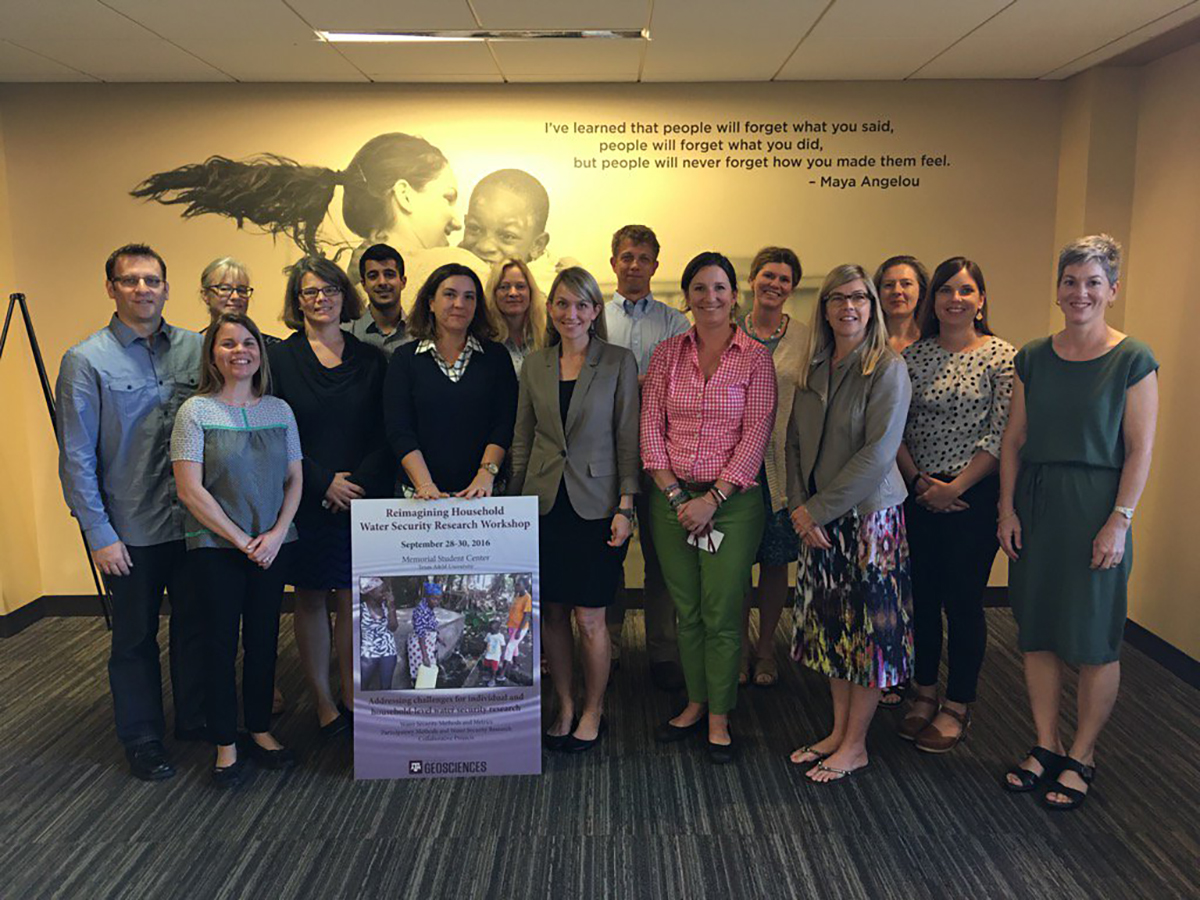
x=1067 y=486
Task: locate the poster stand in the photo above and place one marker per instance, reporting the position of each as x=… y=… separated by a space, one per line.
x=18 y=300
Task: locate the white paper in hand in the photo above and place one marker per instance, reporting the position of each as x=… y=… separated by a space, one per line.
x=711 y=542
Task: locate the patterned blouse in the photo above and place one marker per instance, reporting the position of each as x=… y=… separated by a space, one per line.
x=708 y=429
x=960 y=403
x=424 y=619
x=456 y=371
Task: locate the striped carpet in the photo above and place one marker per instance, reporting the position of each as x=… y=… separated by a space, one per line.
x=629 y=820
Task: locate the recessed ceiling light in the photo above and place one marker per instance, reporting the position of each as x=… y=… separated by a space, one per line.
x=400 y=37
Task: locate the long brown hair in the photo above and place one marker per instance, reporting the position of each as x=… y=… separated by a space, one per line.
x=211 y=379
x=927 y=321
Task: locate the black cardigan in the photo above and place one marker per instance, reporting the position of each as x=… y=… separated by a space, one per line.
x=449 y=422
x=338 y=412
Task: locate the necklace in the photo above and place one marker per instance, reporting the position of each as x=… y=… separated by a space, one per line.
x=749 y=323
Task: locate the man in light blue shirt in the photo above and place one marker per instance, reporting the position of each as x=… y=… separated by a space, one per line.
x=639 y=323
x=118 y=392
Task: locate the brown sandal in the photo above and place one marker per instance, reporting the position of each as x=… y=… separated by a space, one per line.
x=765 y=672
x=933 y=741
x=914 y=723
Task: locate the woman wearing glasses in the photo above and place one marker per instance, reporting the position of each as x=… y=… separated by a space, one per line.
x=225 y=288
x=854 y=609
x=334 y=384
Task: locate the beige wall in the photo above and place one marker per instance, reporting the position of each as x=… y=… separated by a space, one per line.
x=1159 y=301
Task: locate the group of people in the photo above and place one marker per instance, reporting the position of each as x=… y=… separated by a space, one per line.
x=889 y=448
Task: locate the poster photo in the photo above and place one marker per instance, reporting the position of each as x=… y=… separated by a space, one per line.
x=446 y=638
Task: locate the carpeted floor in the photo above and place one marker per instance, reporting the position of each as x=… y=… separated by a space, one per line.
x=628 y=820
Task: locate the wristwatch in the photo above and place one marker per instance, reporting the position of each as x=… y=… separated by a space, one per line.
x=626 y=511
x=491 y=468
x=1125 y=512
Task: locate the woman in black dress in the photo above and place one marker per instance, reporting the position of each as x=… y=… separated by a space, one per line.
x=451 y=394
x=334 y=384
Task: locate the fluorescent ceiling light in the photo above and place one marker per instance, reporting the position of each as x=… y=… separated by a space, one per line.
x=401 y=37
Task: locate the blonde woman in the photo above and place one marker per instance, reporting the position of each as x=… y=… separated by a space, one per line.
x=225 y=288
x=518 y=308
x=854 y=609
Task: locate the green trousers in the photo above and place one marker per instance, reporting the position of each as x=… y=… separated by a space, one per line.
x=708 y=590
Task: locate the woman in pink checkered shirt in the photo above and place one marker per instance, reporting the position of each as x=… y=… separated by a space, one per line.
x=708 y=407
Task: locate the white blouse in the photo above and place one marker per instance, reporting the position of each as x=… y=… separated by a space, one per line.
x=960 y=403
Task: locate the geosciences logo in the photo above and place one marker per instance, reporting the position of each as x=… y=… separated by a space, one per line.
x=449 y=767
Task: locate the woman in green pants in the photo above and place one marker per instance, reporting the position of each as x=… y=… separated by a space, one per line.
x=708 y=406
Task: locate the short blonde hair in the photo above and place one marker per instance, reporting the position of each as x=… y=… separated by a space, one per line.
x=535 y=318
x=875 y=345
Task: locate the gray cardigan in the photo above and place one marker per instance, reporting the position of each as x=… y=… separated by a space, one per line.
x=597 y=452
x=844 y=436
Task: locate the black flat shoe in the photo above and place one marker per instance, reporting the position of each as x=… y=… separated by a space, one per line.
x=666 y=733
x=149 y=762
x=722 y=754
x=555 y=741
x=283 y=758
x=578 y=745
x=231 y=776
x=334 y=727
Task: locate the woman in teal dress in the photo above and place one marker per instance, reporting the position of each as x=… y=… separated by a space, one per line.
x=1073 y=465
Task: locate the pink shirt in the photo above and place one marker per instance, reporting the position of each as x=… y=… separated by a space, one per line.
x=708 y=430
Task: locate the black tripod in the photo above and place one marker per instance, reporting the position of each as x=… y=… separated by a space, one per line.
x=15 y=300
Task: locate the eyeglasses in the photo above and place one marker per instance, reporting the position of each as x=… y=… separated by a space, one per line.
x=224 y=291
x=858 y=298
x=328 y=292
x=132 y=281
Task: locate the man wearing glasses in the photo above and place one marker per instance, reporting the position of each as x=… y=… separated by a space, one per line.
x=118 y=392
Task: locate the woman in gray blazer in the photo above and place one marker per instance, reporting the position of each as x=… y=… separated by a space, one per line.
x=576 y=448
x=854 y=610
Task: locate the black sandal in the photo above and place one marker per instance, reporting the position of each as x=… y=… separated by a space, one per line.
x=1051 y=764
x=1076 y=796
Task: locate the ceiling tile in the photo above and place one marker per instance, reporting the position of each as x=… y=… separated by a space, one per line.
x=570 y=14
x=718 y=41
x=1147 y=34
x=595 y=60
x=131 y=59
x=19 y=64
x=384 y=15
x=882 y=39
x=1033 y=38
x=423 y=62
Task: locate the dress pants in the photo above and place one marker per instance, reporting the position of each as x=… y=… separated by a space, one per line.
x=951 y=558
x=134 y=674
x=238 y=593
x=661 y=638
x=708 y=590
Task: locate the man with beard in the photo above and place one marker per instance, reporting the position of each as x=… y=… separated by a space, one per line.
x=382 y=271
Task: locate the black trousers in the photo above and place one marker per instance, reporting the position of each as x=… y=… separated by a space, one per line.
x=951 y=556
x=238 y=596
x=134 y=673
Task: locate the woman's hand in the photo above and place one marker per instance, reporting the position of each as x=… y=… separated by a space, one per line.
x=1008 y=530
x=1108 y=549
x=341 y=491
x=938 y=496
x=480 y=486
x=696 y=515
x=265 y=548
x=812 y=534
x=621 y=529
x=428 y=491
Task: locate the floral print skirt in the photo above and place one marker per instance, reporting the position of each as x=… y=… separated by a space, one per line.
x=854 y=602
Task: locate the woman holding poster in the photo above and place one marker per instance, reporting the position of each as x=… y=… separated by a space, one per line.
x=708 y=407
x=576 y=447
x=451 y=394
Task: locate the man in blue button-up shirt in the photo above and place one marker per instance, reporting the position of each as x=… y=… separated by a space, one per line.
x=118 y=392
x=639 y=323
